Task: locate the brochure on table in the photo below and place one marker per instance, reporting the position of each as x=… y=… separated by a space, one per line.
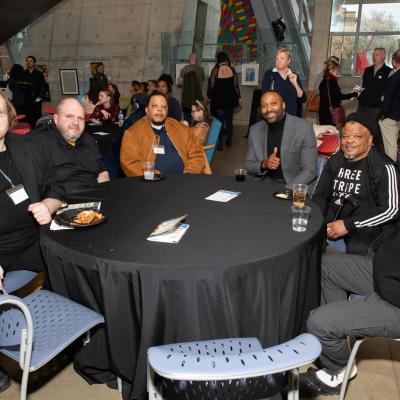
x=223 y=196
x=170 y=231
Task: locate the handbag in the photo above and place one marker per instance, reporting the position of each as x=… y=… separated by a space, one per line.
x=313 y=99
x=338 y=114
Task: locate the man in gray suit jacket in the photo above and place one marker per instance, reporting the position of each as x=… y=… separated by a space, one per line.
x=281 y=146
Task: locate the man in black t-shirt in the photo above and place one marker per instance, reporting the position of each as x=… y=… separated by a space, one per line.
x=358 y=189
x=74 y=154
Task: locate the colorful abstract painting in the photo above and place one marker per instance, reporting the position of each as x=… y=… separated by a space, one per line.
x=237 y=31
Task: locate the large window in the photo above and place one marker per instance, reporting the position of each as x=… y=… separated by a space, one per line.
x=359 y=26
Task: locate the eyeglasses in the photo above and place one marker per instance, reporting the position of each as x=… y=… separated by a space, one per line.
x=71 y=117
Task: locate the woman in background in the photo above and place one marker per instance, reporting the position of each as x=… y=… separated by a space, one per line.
x=286 y=82
x=200 y=121
x=107 y=110
x=224 y=93
x=334 y=96
x=91 y=99
x=17 y=85
x=164 y=86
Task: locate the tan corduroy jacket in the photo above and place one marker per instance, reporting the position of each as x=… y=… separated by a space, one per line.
x=139 y=139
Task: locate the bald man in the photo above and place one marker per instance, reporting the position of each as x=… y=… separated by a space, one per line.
x=75 y=155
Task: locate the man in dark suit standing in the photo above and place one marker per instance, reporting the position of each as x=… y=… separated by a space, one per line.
x=389 y=120
x=34 y=91
x=373 y=84
x=281 y=146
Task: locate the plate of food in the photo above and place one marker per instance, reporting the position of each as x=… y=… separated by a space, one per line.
x=284 y=195
x=81 y=217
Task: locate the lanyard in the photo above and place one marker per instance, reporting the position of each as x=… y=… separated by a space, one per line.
x=8 y=179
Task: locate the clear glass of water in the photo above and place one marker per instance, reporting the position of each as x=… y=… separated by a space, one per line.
x=300 y=215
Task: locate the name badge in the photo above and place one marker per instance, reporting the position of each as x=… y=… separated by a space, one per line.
x=17 y=194
x=159 y=149
x=380 y=77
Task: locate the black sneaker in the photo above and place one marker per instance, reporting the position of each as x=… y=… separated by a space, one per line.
x=311 y=386
x=5 y=381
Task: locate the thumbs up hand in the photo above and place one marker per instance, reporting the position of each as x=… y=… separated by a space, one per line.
x=273 y=161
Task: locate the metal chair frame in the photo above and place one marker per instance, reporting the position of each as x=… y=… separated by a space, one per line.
x=14 y=322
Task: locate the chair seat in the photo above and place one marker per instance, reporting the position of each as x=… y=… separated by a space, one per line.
x=231 y=358
x=17 y=279
x=57 y=322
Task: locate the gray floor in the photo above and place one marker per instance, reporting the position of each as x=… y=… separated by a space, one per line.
x=378 y=361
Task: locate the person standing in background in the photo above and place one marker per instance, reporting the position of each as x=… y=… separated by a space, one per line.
x=223 y=90
x=18 y=88
x=191 y=77
x=286 y=82
x=373 y=85
x=36 y=85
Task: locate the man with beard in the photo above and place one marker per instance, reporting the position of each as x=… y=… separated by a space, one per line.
x=162 y=140
x=281 y=146
x=358 y=189
x=75 y=156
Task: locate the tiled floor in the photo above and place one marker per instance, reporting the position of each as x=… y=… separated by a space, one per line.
x=378 y=361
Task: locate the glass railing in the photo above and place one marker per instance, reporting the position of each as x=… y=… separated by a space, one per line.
x=176 y=48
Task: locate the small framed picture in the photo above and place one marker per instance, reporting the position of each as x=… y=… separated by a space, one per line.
x=69 y=81
x=250 y=74
x=93 y=67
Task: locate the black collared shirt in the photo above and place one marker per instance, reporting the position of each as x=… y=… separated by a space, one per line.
x=76 y=167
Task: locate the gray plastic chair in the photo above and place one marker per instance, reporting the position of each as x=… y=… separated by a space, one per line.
x=221 y=360
x=15 y=280
x=33 y=330
x=352 y=357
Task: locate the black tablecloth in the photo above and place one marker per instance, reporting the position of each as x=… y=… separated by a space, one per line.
x=240 y=270
x=105 y=142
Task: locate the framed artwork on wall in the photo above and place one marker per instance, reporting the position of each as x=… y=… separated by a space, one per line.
x=69 y=81
x=250 y=74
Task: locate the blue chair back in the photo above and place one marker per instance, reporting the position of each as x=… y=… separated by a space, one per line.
x=212 y=138
x=15 y=280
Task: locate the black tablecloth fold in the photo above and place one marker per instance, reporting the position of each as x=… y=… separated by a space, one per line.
x=240 y=270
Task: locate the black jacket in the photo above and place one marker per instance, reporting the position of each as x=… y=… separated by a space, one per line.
x=336 y=97
x=364 y=224
x=374 y=86
x=34 y=165
x=386 y=272
x=391 y=101
x=76 y=167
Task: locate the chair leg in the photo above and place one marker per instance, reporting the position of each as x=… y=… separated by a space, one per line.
x=154 y=392
x=293 y=384
x=349 y=367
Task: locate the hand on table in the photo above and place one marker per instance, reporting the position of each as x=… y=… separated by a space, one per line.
x=273 y=161
x=336 y=229
x=40 y=212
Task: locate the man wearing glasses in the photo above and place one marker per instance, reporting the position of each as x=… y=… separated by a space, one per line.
x=358 y=190
x=75 y=155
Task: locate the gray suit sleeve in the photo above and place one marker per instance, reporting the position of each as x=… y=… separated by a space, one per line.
x=308 y=167
x=252 y=163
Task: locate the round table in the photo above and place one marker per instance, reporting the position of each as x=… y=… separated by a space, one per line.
x=240 y=270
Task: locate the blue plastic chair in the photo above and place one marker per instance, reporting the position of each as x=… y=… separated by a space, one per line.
x=225 y=360
x=212 y=139
x=352 y=357
x=15 y=280
x=33 y=330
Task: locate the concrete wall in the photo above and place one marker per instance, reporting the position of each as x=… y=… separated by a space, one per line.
x=124 y=34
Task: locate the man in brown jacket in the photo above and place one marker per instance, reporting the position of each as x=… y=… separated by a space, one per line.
x=162 y=140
